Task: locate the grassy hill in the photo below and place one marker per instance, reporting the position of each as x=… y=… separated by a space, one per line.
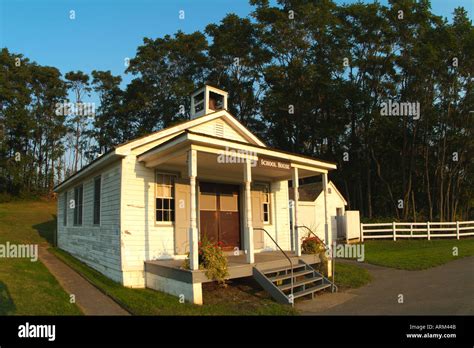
x=28 y=288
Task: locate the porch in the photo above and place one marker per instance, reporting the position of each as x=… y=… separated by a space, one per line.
x=215 y=191
x=238 y=267
x=236 y=193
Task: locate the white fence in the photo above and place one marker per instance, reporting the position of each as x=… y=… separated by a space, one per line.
x=428 y=230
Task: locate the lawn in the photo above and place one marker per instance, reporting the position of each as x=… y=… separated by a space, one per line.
x=416 y=254
x=28 y=288
x=351 y=276
x=241 y=297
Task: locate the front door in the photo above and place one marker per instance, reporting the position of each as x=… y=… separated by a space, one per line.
x=219 y=214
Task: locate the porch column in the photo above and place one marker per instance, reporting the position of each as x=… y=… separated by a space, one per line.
x=327 y=227
x=248 y=213
x=327 y=234
x=295 y=180
x=193 y=230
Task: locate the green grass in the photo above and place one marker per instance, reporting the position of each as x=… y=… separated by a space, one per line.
x=416 y=254
x=28 y=288
x=350 y=276
x=239 y=298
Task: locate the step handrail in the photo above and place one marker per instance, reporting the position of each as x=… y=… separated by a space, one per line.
x=286 y=255
x=326 y=248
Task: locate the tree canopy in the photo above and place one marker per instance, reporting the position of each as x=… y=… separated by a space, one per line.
x=306 y=76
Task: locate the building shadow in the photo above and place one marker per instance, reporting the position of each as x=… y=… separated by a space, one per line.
x=7 y=306
x=47 y=230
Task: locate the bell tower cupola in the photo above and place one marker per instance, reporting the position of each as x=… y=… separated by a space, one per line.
x=207 y=100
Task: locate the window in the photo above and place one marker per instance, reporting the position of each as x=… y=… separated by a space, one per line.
x=97 y=187
x=78 y=199
x=266 y=204
x=164 y=197
x=65 y=209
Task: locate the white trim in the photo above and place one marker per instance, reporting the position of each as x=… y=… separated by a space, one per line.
x=104 y=160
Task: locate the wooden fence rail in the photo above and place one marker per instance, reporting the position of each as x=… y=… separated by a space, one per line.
x=428 y=230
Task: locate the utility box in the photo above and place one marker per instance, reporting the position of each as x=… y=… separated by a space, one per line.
x=352 y=225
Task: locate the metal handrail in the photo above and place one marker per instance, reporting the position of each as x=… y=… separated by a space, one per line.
x=291 y=263
x=333 y=265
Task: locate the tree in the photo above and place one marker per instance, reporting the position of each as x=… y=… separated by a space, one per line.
x=78 y=85
x=108 y=123
x=167 y=71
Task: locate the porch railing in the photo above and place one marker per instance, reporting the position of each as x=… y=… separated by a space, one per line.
x=286 y=255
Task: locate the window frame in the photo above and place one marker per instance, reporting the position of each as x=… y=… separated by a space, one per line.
x=264 y=189
x=97 y=203
x=171 y=199
x=79 y=205
x=266 y=203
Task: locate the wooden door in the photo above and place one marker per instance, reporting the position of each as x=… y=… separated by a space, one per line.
x=229 y=219
x=219 y=214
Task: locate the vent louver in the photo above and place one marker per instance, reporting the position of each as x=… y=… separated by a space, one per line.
x=219 y=129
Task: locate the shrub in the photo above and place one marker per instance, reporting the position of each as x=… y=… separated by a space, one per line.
x=212 y=260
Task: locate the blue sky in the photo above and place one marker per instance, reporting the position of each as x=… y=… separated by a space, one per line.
x=105 y=32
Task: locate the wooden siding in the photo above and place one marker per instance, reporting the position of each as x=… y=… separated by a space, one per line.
x=96 y=245
x=142 y=238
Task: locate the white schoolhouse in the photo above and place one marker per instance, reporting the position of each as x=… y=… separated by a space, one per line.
x=134 y=213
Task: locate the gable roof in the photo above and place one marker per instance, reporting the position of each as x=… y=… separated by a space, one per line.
x=223 y=114
x=310 y=192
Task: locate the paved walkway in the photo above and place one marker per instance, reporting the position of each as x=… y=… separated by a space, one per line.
x=442 y=290
x=89 y=299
